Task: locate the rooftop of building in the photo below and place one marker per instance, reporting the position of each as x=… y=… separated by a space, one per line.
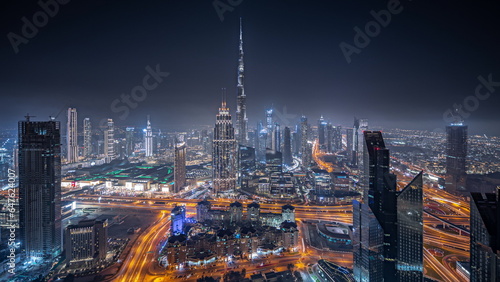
x=236 y=204
x=254 y=205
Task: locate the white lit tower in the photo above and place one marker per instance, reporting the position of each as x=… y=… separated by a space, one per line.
x=72 y=136
x=148 y=139
x=109 y=141
x=87 y=137
x=224 y=151
x=241 y=106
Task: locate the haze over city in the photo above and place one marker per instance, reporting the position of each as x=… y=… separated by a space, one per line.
x=426 y=59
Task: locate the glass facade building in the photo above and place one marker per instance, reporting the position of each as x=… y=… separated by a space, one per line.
x=40 y=188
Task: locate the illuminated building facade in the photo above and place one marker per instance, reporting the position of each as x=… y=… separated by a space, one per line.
x=40 y=188
x=148 y=139
x=241 y=107
x=350 y=143
x=456 y=156
x=178 y=219
x=269 y=127
x=86 y=243
x=388 y=226
x=276 y=138
x=410 y=260
x=109 y=141
x=485 y=237
x=179 y=166
x=72 y=136
x=274 y=161
x=336 y=139
x=360 y=125
x=305 y=151
x=129 y=141
x=287 y=147
x=261 y=142
x=322 y=133
x=224 y=151
x=87 y=137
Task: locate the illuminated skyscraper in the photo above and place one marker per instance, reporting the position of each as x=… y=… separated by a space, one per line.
x=148 y=139
x=485 y=237
x=224 y=151
x=269 y=127
x=456 y=156
x=40 y=188
x=350 y=143
x=87 y=138
x=86 y=243
x=274 y=161
x=276 y=138
x=241 y=107
x=72 y=136
x=129 y=141
x=109 y=141
x=179 y=166
x=178 y=219
x=360 y=125
x=337 y=138
x=305 y=151
x=287 y=147
x=388 y=226
x=261 y=143
x=329 y=138
x=322 y=133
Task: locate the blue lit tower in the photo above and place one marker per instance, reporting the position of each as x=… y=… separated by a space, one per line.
x=40 y=188
x=178 y=219
x=241 y=106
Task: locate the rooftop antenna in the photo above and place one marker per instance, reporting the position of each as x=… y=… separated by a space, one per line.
x=223 y=97
x=27 y=116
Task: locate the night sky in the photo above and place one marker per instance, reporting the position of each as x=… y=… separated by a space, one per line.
x=427 y=58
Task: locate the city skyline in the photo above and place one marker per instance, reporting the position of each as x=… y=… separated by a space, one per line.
x=251 y=141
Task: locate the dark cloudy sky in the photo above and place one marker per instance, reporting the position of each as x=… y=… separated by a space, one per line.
x=426 y=59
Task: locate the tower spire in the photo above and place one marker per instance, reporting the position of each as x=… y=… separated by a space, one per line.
x=241 y=107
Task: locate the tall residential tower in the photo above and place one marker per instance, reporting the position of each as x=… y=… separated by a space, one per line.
x=87 y=137
x=72 y=136
x=148 y=139
x=179 y=166
x=109 y=141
